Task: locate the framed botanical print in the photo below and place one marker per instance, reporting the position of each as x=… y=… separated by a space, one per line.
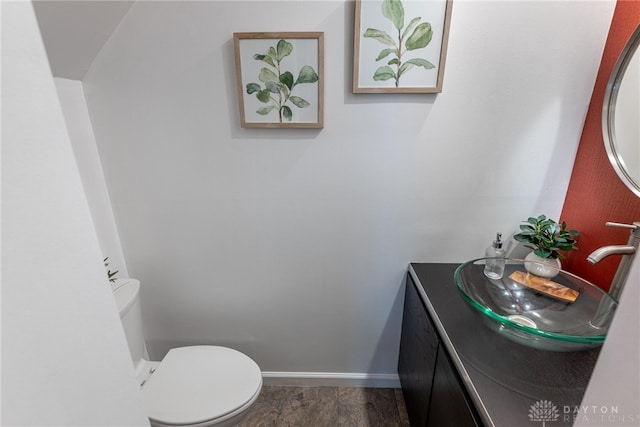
x=280 y=79
x=400 y=45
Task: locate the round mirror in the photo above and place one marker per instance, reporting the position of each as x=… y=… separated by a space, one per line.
x=621 y=115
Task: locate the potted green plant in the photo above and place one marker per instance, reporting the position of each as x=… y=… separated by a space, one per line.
x=547 y=238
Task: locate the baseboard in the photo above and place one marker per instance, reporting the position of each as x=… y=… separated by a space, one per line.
x=333 y=379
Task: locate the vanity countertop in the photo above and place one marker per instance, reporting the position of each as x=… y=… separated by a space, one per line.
x=504 y=379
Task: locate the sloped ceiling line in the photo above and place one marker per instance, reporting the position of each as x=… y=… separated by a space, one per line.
x=73 y=32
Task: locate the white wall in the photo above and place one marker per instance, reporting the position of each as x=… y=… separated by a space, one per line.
x=76 y=115
x=291 y=245
x=64 y=356
x=615 y=383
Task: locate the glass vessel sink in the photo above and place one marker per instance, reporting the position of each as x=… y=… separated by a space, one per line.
x=531 y=317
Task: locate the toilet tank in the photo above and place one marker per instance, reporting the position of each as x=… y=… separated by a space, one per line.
x=127 y=295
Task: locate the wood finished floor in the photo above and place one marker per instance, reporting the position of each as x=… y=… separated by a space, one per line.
x=280 y=406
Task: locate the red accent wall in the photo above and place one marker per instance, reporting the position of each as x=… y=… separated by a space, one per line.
x=596 y=194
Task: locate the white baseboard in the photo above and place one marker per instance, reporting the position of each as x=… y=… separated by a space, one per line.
x=333 y=379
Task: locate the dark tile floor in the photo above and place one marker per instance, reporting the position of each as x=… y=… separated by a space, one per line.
x=280 y=406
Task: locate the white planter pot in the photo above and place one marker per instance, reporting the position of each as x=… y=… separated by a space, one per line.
x=542 y=267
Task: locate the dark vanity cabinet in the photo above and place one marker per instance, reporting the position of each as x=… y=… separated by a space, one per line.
x=433 y=392
x=418 y=353
x=450 y=405
x=457 y=372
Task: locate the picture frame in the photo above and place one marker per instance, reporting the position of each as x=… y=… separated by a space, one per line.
x=418 y=29
x=280 y=79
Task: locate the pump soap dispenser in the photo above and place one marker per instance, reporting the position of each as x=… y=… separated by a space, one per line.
x=494 y=265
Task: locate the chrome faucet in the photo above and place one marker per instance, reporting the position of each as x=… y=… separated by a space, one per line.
x=627 y=251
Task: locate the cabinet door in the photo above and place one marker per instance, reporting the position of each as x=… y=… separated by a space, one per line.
x=418 y=350
x=450 y=406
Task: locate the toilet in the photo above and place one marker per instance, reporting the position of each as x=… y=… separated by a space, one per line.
x=197 y=386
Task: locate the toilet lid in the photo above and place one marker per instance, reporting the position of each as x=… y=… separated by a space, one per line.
x=200 y=383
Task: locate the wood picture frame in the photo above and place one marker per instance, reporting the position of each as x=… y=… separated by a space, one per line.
x=280 y=79
x=400 y=46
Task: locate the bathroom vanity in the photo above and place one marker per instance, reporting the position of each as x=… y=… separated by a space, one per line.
x=457 y=372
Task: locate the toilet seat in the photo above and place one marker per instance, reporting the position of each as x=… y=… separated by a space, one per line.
x=200 y=385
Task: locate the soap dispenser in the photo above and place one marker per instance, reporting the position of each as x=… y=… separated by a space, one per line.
x=494 y=266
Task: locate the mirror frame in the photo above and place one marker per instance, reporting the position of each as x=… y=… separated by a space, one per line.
x=609 y=109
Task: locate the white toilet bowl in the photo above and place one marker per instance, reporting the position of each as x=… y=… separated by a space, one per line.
x=201 y=386
x=197 y=386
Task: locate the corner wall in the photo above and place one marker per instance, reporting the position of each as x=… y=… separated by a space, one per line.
x=83 y=142
x=65 y=360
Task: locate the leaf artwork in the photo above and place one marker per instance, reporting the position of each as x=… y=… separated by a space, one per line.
x=414 y=36
x=277 y=92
